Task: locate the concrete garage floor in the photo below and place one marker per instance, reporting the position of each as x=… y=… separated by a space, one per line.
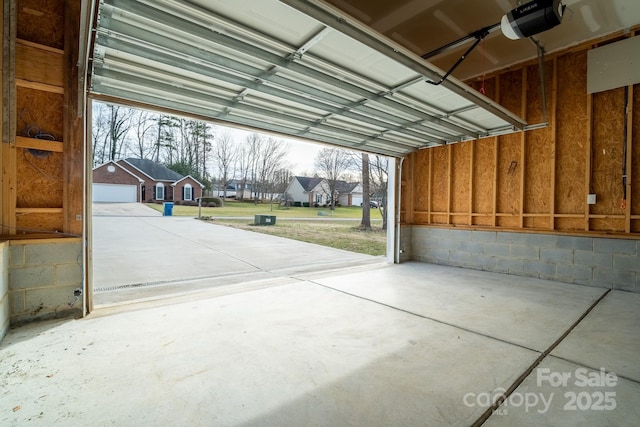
x=362 y=344
x=412 y=344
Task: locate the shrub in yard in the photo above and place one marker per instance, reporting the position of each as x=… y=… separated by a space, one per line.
x=316 y=205
x=297 y=204
x=211 y=205
x=305 y=204
x=216 y=200
x=177 y=202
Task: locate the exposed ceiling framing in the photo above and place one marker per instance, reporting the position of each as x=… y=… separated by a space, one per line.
x=296 y=68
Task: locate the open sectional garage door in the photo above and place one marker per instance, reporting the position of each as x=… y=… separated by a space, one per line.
x=296 y=68
x=114 y=193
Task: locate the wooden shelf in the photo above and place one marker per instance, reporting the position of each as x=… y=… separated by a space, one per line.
x=39 y=86
x=27 y=211
x=39 y=144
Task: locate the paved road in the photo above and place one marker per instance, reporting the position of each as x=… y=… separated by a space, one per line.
x=136 y=249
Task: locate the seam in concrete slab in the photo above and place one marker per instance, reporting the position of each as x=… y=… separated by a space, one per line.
x=485 y=416
x=424 y=317
x=593 y=368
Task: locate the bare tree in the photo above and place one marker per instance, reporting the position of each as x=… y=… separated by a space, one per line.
x=225 y=153
x=143 y=126
x=379 y=182
x=100 y=132
x=119 y=125
x=366 y=207
x=332 y=163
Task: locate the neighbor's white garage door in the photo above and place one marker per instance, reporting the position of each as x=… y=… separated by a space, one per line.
x=114 y=193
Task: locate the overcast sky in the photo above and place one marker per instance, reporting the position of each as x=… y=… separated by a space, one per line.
x=301 y=154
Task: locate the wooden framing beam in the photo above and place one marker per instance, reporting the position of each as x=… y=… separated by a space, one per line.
x=73 y=130
x=9 y=184
x=554 y=136
x=629 y=164
x=523 y=145
x=589 y=160
x=450 y=175
x=471 y=162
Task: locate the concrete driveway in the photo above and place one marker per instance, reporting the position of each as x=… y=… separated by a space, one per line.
x=137 y=253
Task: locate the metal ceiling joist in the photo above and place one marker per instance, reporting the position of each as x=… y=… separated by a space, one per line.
x=211 y=60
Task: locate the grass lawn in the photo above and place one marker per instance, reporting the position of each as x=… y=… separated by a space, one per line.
x=335 y=234
x=248 y=209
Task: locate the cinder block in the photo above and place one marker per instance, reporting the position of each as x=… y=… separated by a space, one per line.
x=508 y=265
x=612 y=278
x=497 y=249
x=524 y=252
x=16 y=255
x=460 y=258
x=626 y=263
x=484 y=262
x=484 y=236
x=50 y=299
x=420 y=233
x=439 y=233
x=53 y=253
x=617 y=246
x=541 y=240
x=463 y=235
x=453 y=245
x=511 y=238
x=574 y=273
x=593 y=259
x=540 y=267
x=5 y=312
x=31 y=277
x=439 y=254
x=561 y=256
x=16 y=301
x=68 y=274
x=570 y=242
x=472 y=247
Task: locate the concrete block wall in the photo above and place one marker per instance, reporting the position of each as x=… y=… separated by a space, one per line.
x=5 y=314
x=43 y=277
x=593 y=261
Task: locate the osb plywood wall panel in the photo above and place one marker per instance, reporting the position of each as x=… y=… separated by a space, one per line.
x=439 y=183
x=41 y=21
x=39 y=111
x=607 y=158
x=539 y=146
x=484 y=180
x=572 y=134
x=421 y=187
x=540 y=179
x=461 y=162
x=40 y=183
x=39 y=222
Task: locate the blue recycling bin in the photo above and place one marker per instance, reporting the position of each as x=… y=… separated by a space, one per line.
x=168 y=208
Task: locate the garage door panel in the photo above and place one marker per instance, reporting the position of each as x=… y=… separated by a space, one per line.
x=115 y=193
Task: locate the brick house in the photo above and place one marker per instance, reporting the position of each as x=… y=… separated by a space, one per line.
x=142 y=180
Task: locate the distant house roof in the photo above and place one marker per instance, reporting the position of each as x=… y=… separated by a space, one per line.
x=185 y=177
x=309 y=183
x=344 y=187
x=154 y=170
